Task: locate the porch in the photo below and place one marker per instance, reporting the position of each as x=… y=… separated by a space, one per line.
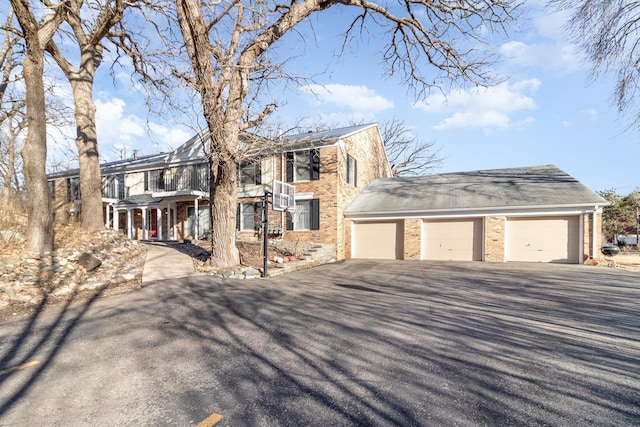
x=160 y=217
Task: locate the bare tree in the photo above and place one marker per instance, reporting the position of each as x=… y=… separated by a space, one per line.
x=408 y=154
x=228 y=43
x=609 y=32
x=88 y=32
x=36 y=34
x=14 y=124
x=12 y=108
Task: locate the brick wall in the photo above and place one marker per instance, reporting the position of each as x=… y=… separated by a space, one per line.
x=367 y=148
x=587 y=247
x=332 y=190
x=412 y=238
x=494 y=238
x=63 y=210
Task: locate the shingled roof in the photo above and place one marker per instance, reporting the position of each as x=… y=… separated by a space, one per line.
x=527 y=187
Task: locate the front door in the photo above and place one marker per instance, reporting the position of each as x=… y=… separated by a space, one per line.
x=153 y=223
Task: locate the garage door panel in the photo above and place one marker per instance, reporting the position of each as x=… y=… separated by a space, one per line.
x=459 y=240
x=378 y=240
x=553 y=239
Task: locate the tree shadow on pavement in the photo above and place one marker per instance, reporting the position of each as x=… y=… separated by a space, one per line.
x=37 y=343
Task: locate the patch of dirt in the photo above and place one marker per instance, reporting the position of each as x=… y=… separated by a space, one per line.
x=251 y=253
x=30 y=284
x=21 y=296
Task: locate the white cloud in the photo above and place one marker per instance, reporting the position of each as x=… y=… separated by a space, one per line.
x=358 y=99
x=548 y=56
x=113 y=125
x=591 y=113
x=486 y=108
x=118 y=130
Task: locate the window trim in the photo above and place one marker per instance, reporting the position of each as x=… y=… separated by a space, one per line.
x=313 y=162
x=240 y=213
x=314 y=212
x=257 y=172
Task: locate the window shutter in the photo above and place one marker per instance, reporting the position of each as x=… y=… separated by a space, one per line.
x=146 y=181
x=289 y=167
x=348 y=168
x=289 y=219
x=315 y=164
x=238 y=217
x=257 y=216
x=355 y=173
x=315 y=214
x=259 y=172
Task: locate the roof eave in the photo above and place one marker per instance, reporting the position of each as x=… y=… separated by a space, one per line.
x=480 y=211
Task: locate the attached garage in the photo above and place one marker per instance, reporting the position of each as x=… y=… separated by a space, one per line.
x=543 y=239
x=378 y=240
x=452 y=239
x=532 y=214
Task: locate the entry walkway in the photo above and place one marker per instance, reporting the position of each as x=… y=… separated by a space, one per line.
x=166 y=261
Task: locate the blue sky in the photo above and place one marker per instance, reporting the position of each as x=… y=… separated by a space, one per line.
x=546 y=111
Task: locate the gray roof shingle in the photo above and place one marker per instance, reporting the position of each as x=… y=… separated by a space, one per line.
x=526 y=187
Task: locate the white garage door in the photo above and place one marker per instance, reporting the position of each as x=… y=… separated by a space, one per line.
x=553 y=239
x=378 y=240
x=457 y=240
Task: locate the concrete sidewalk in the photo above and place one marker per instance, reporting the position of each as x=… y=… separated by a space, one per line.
x=166 y=261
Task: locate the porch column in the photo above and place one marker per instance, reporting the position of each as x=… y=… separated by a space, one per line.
x=159 y=225
x=175 y=221
x=168 y=221
x=197 y=230
x=144 y=224
x=108 y=215
x=116 y=217
x=129 y=224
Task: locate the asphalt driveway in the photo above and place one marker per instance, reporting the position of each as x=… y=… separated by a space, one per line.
x=359 y=343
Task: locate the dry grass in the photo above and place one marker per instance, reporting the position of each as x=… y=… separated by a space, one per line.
x=629 y=259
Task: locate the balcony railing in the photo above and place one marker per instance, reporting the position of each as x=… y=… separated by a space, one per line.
x=178 y=179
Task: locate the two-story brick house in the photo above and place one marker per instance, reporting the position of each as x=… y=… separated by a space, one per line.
x=165 y=196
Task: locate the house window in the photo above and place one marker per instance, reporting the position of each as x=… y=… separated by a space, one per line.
x=303 y=165
x=352 y=171
x=248 y=216
x=52 y=189
x=249 y=173
x=154 y=180
x=306 y=216
x=73 y=189
x=114 y=187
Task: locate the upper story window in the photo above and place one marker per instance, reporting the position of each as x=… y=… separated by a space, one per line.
x=73 y=189
x=114 y=187
x=303 y=165
x=352 y=171
x=154 y=180
x=249 y=173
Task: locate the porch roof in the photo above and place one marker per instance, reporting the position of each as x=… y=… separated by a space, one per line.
x=138 y=201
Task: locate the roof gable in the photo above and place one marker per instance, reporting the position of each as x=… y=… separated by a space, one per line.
x=528 y=187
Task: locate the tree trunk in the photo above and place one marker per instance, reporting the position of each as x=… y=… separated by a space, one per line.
x=34 y=156
x=88 y=158
x=223 y=196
